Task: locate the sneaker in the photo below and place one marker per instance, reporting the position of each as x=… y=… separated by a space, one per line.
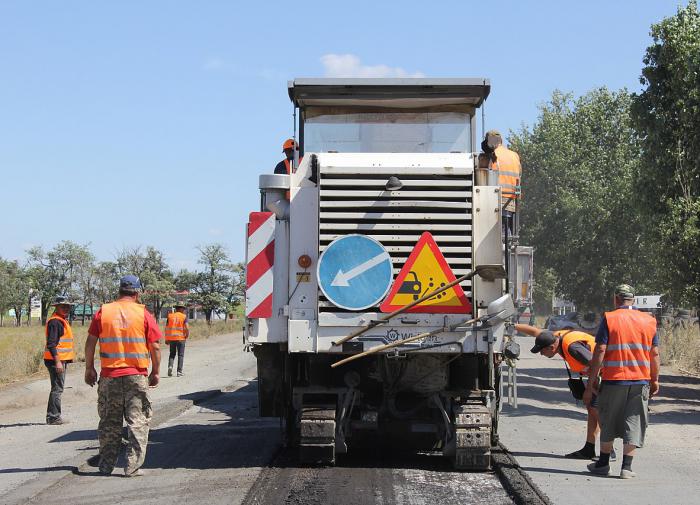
x=627 y=474
x=60 y=420
x=170 y=372
x=137 y=473
x=598 y=470
x=180 y=374
x=580 y=454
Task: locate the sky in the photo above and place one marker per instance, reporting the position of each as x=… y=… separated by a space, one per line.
x=132 y=123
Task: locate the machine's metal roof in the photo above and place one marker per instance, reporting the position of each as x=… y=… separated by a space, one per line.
x=402 y=92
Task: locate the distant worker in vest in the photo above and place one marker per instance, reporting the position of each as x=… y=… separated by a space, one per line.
x=576 y=349
x=176 y=332
x=627 y=358
x=507 y=163
x=289 y=148
x=128 y=336
x=58 y=353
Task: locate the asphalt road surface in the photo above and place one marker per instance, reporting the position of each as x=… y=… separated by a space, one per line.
x=219 y=452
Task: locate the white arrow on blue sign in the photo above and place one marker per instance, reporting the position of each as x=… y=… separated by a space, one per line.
x=355 y=272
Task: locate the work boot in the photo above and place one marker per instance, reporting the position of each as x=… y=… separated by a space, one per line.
x=135 y=473
x=627 y=474
x=180 y=374
x=58 y=421
x=598 y=470
x=580 y=454
x=170 y=371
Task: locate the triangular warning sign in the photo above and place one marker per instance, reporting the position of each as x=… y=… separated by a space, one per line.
x=425 y=271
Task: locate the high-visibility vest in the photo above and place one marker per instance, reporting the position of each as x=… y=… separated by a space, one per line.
x=64 y=348
x=123 y=335
x=628 y=352
x=288 y=166
x=568 y=337
x=175 y=327
x=509 y=172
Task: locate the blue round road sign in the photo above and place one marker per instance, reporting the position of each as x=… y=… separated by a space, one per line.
x=355 y=272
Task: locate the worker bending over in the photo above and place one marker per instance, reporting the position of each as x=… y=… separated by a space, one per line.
x=576 y=349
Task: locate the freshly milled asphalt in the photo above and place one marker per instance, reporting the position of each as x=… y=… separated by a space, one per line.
x=209 y=446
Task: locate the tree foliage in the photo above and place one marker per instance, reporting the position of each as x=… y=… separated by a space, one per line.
x=667 y=115
x=579 y=196
x=218 y=287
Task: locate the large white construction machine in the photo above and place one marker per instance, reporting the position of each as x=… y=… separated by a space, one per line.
x=376 y=297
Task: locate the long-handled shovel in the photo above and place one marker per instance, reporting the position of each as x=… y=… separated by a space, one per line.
x=374 y=350
x=488 y=272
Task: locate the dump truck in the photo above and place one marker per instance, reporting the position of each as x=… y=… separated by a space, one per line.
x=376 y=293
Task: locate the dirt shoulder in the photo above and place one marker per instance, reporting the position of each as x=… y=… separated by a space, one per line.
x=35 y=454
x=548 y=424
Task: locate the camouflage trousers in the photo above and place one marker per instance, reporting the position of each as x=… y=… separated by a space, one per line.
x=120 y=398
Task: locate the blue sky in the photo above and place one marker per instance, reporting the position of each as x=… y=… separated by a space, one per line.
x=147 y=123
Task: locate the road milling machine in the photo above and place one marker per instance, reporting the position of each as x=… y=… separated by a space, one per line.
x=376 y=300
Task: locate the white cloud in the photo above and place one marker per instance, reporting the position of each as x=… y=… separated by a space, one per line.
x=349 y=65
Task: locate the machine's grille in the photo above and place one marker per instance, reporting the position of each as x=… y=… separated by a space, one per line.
x=438 y=200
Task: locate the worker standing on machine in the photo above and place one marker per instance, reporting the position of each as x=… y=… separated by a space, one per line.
x=498 y=157
x=286 y=166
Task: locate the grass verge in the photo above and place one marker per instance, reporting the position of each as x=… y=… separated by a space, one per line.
x=680 y=347
x=22 y=348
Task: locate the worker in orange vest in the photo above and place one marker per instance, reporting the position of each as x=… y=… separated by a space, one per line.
x=58 y=353
x=627 y=358
x=289 y=147
x=576 y=349
x=128 y=336
x=507 y=164
x=176 y=332
x=287 y=166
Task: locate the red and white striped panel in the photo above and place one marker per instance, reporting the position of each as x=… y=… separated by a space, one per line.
x=261 y=259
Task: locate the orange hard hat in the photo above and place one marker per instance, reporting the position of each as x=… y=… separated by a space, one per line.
x=289 y=144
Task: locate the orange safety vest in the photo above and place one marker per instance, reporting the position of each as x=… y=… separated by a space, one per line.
x=123 y=335
x=288 y=166
x=509 y=172
x=628 y=352
x=175 y=327
x=568 y=337
x=64 y=349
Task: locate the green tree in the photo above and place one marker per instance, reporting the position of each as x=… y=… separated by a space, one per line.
x=15 y=290
x=156 y=277
x=55 y=272
x=214 y=286
x=667 y=115
x=579 y=192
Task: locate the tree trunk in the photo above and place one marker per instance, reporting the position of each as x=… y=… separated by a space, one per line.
x=44 y=311
x=207 y=315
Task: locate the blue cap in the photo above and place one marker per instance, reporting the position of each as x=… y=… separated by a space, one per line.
x=129 y=282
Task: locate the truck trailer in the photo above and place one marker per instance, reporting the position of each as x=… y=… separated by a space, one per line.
x=384 y=207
